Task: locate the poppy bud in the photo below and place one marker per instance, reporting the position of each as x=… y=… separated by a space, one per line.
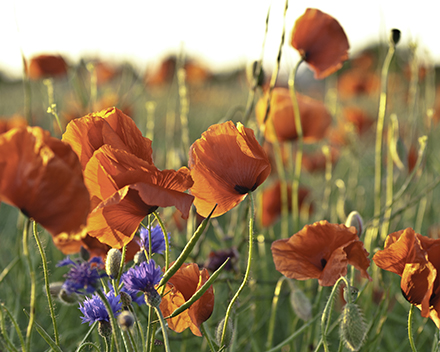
x=351 y=295
x=255 y=78
x=229 y=333
x=68 y=297
x=113 y=262
x=354 y=219
x=395 y=36
x=126 y=320
x=352 y=328
x=139 y=257
x=104 y=329
x=300 y=304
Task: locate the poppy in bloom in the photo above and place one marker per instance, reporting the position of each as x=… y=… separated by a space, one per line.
x=355 y=81
x=217 y=258
x=226 y=163
x=42 y=176
x=320 y=251
x=119 y=173
x=416 y=259
x=271 y=202
x=321 y=42
x=180 y=288
x=94 y=310
x=280 y=123
x=43 y=66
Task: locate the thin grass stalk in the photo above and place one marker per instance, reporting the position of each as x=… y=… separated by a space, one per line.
x=93 y=85
x=410 y=328
x=184 y=107
x=299 y=148
x=17 y=328
x=92 y=327
x=256 y=75
x=273 y=311
x=167 y=242
x=46 y=281
x=114 y=324
x=247 y=272
x=33 y=284
x=164 y=329
x=208 y=337
x=371 y=238
x=328 y=179
x=45 y=336
x=52 y=109
x=150 y=106
x=8 y=268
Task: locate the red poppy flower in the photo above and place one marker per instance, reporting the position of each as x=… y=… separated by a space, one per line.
x=271 y=202
x=321 y=42
x=42 y=176
x=179 y=289
x=320 y=251
x=357 y=81
x=358 y=118
x=124 y=189
x=44 y=66
x=280 y=123
x=416 y=259
x=226 y=163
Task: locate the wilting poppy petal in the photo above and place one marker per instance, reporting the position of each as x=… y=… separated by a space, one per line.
x=124 y=189
x=280 y=123
x=110 y=126
x=42 y=176
x=180 y=288
x=320 y=251
x=321 y=42
x=226 y=163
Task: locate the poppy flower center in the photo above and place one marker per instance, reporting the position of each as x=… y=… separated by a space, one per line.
x=323 y=262
x=244 y=190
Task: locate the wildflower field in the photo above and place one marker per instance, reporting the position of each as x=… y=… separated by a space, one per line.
x=181 y=210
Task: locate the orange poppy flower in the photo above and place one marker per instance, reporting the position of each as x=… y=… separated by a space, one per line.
x=357 y=81
x=416 y=259
x=44 y=66
x=8 y=123
x=321 y=42
x=124 y=189
x=320 y=251
x=271 y=202
x=226 y=163
x=358 y=118
x=316 y=161
x=109 y=126
x=42 y=176
x=179 y=289
x=280 y=124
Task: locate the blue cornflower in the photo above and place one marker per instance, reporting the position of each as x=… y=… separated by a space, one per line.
x=134 y=294
x=142 y=277
x=82 y=277
x=94 y=308
x=157 y=240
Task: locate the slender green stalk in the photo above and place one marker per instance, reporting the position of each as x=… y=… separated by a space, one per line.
x=299 y=148
x=89 y=332
x=273 y=311
x=328 y=179
x=164 y=329
x=150 y=106
x=46 y=281
x=184 y=107
x=33 y=284
x=248 y=269
x=410 y=328
x=371 y=238
x=114 y=324
x=52 y=109
x=17 y=328
x=167 y=242
x=208 y=338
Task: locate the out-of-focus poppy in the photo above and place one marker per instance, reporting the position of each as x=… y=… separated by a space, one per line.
x=217 y=258
x=358 y=118
x=280 y=124
x=105 y=72
x=321 y=42
x=109 y=126
x=355 y=81
x=44 y=66
x=8 y=123
x=416 y=259
x=317 y=161
x=271 y=202
x=226 y=163
x=42 y=176
x=320 y=251
x=123 y=183
x=179 y=289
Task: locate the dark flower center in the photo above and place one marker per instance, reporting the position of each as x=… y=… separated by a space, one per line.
x=244 y=190
x=323 y=262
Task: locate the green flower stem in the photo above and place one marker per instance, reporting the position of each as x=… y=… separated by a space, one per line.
x=92 y=327
x=370 y=239
x=299 y=149
x=273 y=311
x=46 y=281
x=17 y=328
x=167 y=242
x=208 y=338
x=164 y=329
x=52 y=109
x=184 y=106
x=410 y=328
x=33 y=284
x=248 y=269
x=113 y=323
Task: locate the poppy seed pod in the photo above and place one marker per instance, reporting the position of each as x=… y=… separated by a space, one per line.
x=229 y=333
x=395 y=36
x=352 y=327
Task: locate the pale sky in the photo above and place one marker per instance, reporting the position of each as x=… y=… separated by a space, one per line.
x=224 y=34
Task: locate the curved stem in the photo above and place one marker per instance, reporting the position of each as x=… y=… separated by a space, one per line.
x=164 y=329
x=276 y=296
x=33 y=284
x=410 y=328
x=299 y=149
x=248 y=269
x=46 y=281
